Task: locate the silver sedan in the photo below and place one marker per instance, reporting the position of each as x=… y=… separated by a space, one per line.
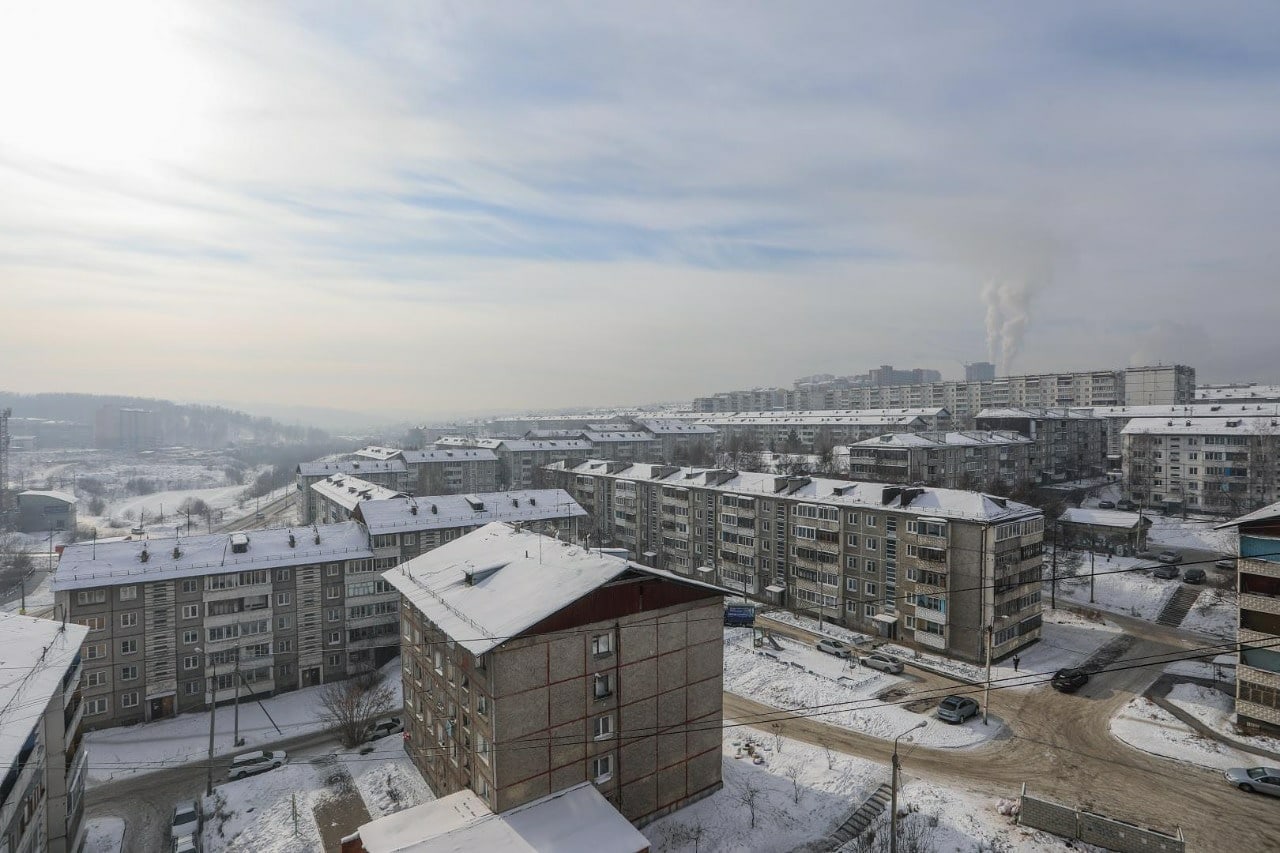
x=884 y=663
x=1264 y=780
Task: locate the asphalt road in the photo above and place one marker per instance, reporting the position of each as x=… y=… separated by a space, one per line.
x=146 y=802
x=272 y=512
x=1061 y=746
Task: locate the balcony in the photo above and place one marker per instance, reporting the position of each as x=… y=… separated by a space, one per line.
x=933 y=641
x=233 y=592
x=73 y=714
x=931 y=615
x=1260 y=603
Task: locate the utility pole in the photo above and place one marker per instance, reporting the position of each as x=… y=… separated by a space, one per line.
x=1091 y=576
x=236 y=733
x=1053 y=587
x=213 y=710
x=893 y=789
x=986 y=689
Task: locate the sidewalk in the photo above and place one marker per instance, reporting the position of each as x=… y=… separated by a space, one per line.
x=1160 y=688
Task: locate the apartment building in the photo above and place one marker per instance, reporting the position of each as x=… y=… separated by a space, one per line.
x=1118 y=417
x=777 y=430
x=338 y=496
x=1246 y=392
x=992 y=460
x=1067 y=444
x=512 y=638
x=442 y=471
x=402 y=528
x=1258 y=597
x=1210 y=464
x=41 y=749
x=389 y=473
x=1160 y=385
x=680 y=438
x=923 y=566
x=521 y=459
x=174 y=624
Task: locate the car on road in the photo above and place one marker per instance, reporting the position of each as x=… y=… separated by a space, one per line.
x=1106 y=504
x=839 y=648
x=186 y=819
x=1264 y=780
x=258 y=761
x=957 y=709
x=1166 y=572
x=1147 y=555
x=1069 y=680
x=1169 y=557
x=1126 y=505
x=187 y=844
x=382 y=728
x=1225 y=563
x=1193 y=575
x=883 y=662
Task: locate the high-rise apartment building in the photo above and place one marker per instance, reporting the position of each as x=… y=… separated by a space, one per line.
x=1067 y=444
x=1258 y=634
x=995 y=460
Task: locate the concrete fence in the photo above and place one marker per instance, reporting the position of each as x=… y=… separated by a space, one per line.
x=1095 y=829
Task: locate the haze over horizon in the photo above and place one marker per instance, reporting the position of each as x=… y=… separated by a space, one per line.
x=464 y=208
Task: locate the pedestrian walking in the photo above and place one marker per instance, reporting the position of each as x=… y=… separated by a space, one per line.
x=1016 y=660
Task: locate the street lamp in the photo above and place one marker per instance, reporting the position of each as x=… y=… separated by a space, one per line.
x=986 y=690
x=893 y=792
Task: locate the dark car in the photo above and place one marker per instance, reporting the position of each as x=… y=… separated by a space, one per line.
x=1169 y=557
x=1069 y=680
x=1126 y=505
x=957 y=709
x=1106 y=504
x=1166 y=572
x=1193 y=575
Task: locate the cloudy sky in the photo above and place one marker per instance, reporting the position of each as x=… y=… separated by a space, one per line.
x=435 y=208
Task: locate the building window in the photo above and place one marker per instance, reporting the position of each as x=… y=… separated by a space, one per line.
x=128 y=673
x=189 y=586
x=335 y=614
x=284 y=599
x=482 y=705
x=869 y=588
x=282 y=575
x=91 y=596
x=602 y=644
x=128 y=647
x=128 y=593
x=95 y=650
x=284 y=623
x=193 y=687
x=283 y=646
x=482 y=747
x=602 y=769
x=129 y=700
x=333 y=592
x=602 y=686
x=868 y=610
x=100 y=705
x=93 y=623
x=335 y=637
x=191 y=662
x=851 y=584
x=602 y=726
x=871 y=543
x=191 y=611
x=189 y=637
x=286 y=671
x=335 y=660
x=870 y=567
x=332 y=571
x=96 y=678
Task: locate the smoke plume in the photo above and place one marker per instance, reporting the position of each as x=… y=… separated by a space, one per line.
x=1008 y=313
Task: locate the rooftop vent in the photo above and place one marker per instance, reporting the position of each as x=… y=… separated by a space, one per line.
x=515 y=502
x=143 y=556
x=534 y=501
x=474 y=576
x=413 y=509
x=474 y=502
x=433 y=509
x=177 y=552
x=239 y=543
x=293 y=541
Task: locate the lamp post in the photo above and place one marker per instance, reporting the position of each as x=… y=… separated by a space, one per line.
x=213 y=708
x=893 y=789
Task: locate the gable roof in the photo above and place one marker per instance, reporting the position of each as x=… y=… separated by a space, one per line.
x=409 y=514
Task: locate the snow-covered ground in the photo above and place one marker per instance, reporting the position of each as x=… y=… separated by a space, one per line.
x=803 y=794
x=1191 y=533
x=257 y=813
x=103 y=835
x=1214 y=708
x=1132 y=593
x=122 y=752
x=1146 y=726
x=1215 y=613
x=386 y=778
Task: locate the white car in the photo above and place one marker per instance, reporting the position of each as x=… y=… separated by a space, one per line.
x=255 y=762
x=884 y=663
x=187 y=844
x=186 y=820
x=838 y=648
x=382 y=728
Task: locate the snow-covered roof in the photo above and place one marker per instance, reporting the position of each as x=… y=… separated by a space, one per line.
x=373 y=451
x=521 y=578
x=1244 y=392
x=616 y=436
x=516 y=444
x=1264 y=514
x=1060 y=414
x=1101 y=517
x=1252 y=425
x=35 y=655
x=844 y=417
x=351 y=466
x=448 y=454
x=674 y=426
x=437 y=512
x=950 y=503
x=967 y=438
x=348 y=491
x=1198 y=410
x=577 y=819
x=110 y=563
x=57 y=496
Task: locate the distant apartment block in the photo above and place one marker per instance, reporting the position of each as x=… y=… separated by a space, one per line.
x=1258 y=595
x=776 y=430
x=442 y=471
x=1210 y=464
x=992 y=461
x=520 y=460
x=928 y=567
x=41 y=511
x=980 y=371
x=338 y=496
x=511 y=638
x=390 y=473
x=1067 y=444
x=41 y=748
x=126 y=429
x=680 y=438
x=1247 y=392
x=1118 y=417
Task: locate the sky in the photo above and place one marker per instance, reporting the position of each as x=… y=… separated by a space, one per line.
x=427 y=209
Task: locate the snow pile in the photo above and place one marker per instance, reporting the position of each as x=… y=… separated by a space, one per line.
x=257 y=813
x=1179 y=533
x=1215 y=709
x=103 y=835
x=386 y=778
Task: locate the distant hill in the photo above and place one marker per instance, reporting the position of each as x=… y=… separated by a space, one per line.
x=190 y=424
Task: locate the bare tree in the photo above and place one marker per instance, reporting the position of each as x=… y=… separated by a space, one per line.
x=750 y=797
x=831 y=756
x=793 y=773
x=351 y=706
x=777 y=736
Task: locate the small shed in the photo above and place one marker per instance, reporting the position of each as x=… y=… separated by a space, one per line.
x=40 y=512
x=1112 y=530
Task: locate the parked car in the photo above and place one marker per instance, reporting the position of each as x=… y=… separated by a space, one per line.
x=883 y=662
x=1147 y=555
x=1193 y=575
x=1166 y=572
x=187 y=844
x=838 y=648
x=1069 y=680
x=258 y=761
x=1106 y=504
x=1126 y=505
x=1264 y=780
x=957 y=709
x=186 y=820
x=1225 y=563
x=382 y=728
x=1169 y=557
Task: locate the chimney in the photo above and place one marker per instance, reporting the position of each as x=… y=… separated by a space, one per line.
x=293 y=541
